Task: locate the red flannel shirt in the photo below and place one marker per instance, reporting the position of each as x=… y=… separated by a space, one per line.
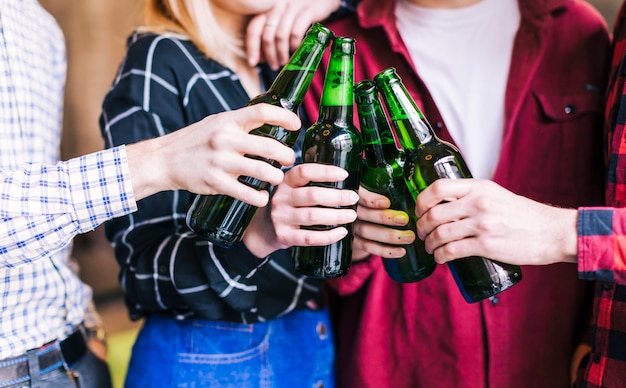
x=424 y=334
x=602 y=238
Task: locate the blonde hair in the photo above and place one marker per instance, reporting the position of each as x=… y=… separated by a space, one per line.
x=195 y=19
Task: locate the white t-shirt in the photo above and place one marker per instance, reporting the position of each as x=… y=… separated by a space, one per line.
x=463 y=55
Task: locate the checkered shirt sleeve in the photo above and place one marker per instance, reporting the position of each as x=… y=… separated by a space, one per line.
x=44 y=206
x=602 y=244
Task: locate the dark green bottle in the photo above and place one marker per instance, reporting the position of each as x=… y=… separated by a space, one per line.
x=334 y=140
x=428 y=159
x=223 y=219
x=383 y=174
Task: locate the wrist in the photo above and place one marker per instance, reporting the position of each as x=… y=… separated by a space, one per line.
x=568 y=238
x=144 y=164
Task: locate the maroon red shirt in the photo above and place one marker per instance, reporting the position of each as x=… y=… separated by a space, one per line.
x=424 y=334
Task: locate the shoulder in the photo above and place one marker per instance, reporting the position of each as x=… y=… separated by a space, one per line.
x=166 y=51
x=142 y=45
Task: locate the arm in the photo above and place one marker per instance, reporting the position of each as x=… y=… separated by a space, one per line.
x=273 y=35
x=44 y=206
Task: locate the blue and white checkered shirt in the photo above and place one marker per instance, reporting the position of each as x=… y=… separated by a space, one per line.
x=44 y=203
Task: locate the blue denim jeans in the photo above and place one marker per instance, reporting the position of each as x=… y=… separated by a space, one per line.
x=295 y=350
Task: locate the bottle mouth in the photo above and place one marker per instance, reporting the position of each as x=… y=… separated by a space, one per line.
x=387 y=76
x=364 y=86
x=343 y=44
x=323 y=34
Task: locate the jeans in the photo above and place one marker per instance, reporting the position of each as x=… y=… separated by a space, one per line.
x=293 y=351
x=89 y=372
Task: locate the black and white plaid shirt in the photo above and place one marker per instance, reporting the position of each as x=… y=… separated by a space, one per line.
x=166 y=83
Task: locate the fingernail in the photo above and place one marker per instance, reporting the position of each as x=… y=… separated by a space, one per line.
x=401 y=219
x=341 y=174
x=354 y=197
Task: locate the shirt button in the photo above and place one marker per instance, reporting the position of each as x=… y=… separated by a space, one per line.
x=494 y=300
x=569 y=110
x=607 y=286
x=321 y=330
x=439 y=124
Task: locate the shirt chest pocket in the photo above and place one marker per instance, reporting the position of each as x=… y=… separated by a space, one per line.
x=568 y=141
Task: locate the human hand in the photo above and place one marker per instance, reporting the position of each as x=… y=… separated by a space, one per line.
x=271 y=36
x=373 y=229
x=471 y=217
x=294 y=204
x=207 y=157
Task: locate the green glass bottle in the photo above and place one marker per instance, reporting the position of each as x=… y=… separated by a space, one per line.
x=223 y=219
x=383 y=174
x=428 y=159
x=334 y=140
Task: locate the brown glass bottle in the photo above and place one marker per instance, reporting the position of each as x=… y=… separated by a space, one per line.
x=334 y=140
x=223 y=219
x=383 y=174
x=429 y=159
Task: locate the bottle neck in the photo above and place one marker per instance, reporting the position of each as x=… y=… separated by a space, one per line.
x=337 y=101
x=378 y=141
x=413 y=129
x=293 y=81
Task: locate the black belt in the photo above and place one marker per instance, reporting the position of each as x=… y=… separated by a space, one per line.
x=51 y=357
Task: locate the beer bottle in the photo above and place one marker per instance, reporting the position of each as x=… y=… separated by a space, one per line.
x=334 y=140
x=383 y=174
x=428 y=159
x=223 y=219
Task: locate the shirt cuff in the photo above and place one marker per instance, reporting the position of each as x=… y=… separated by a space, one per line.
x=101 y=187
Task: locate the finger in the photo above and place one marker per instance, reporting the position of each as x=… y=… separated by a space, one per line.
x=303 y=174
x=254 y=31
x=382 y=234
x=373 y=248
x=449 y=232
x=439 y=215
x=372 y=200
x=298 y=30
x=457 y=250
x=255 y=168
x=283 y=34
x=254 y=116
x=315 y=196
x=387 y=217
x=303 y=237
x=268 y=37
x=316 y=216
x=439 y=191
x=234 y=188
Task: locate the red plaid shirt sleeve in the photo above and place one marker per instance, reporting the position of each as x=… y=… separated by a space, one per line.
x=602 y=244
